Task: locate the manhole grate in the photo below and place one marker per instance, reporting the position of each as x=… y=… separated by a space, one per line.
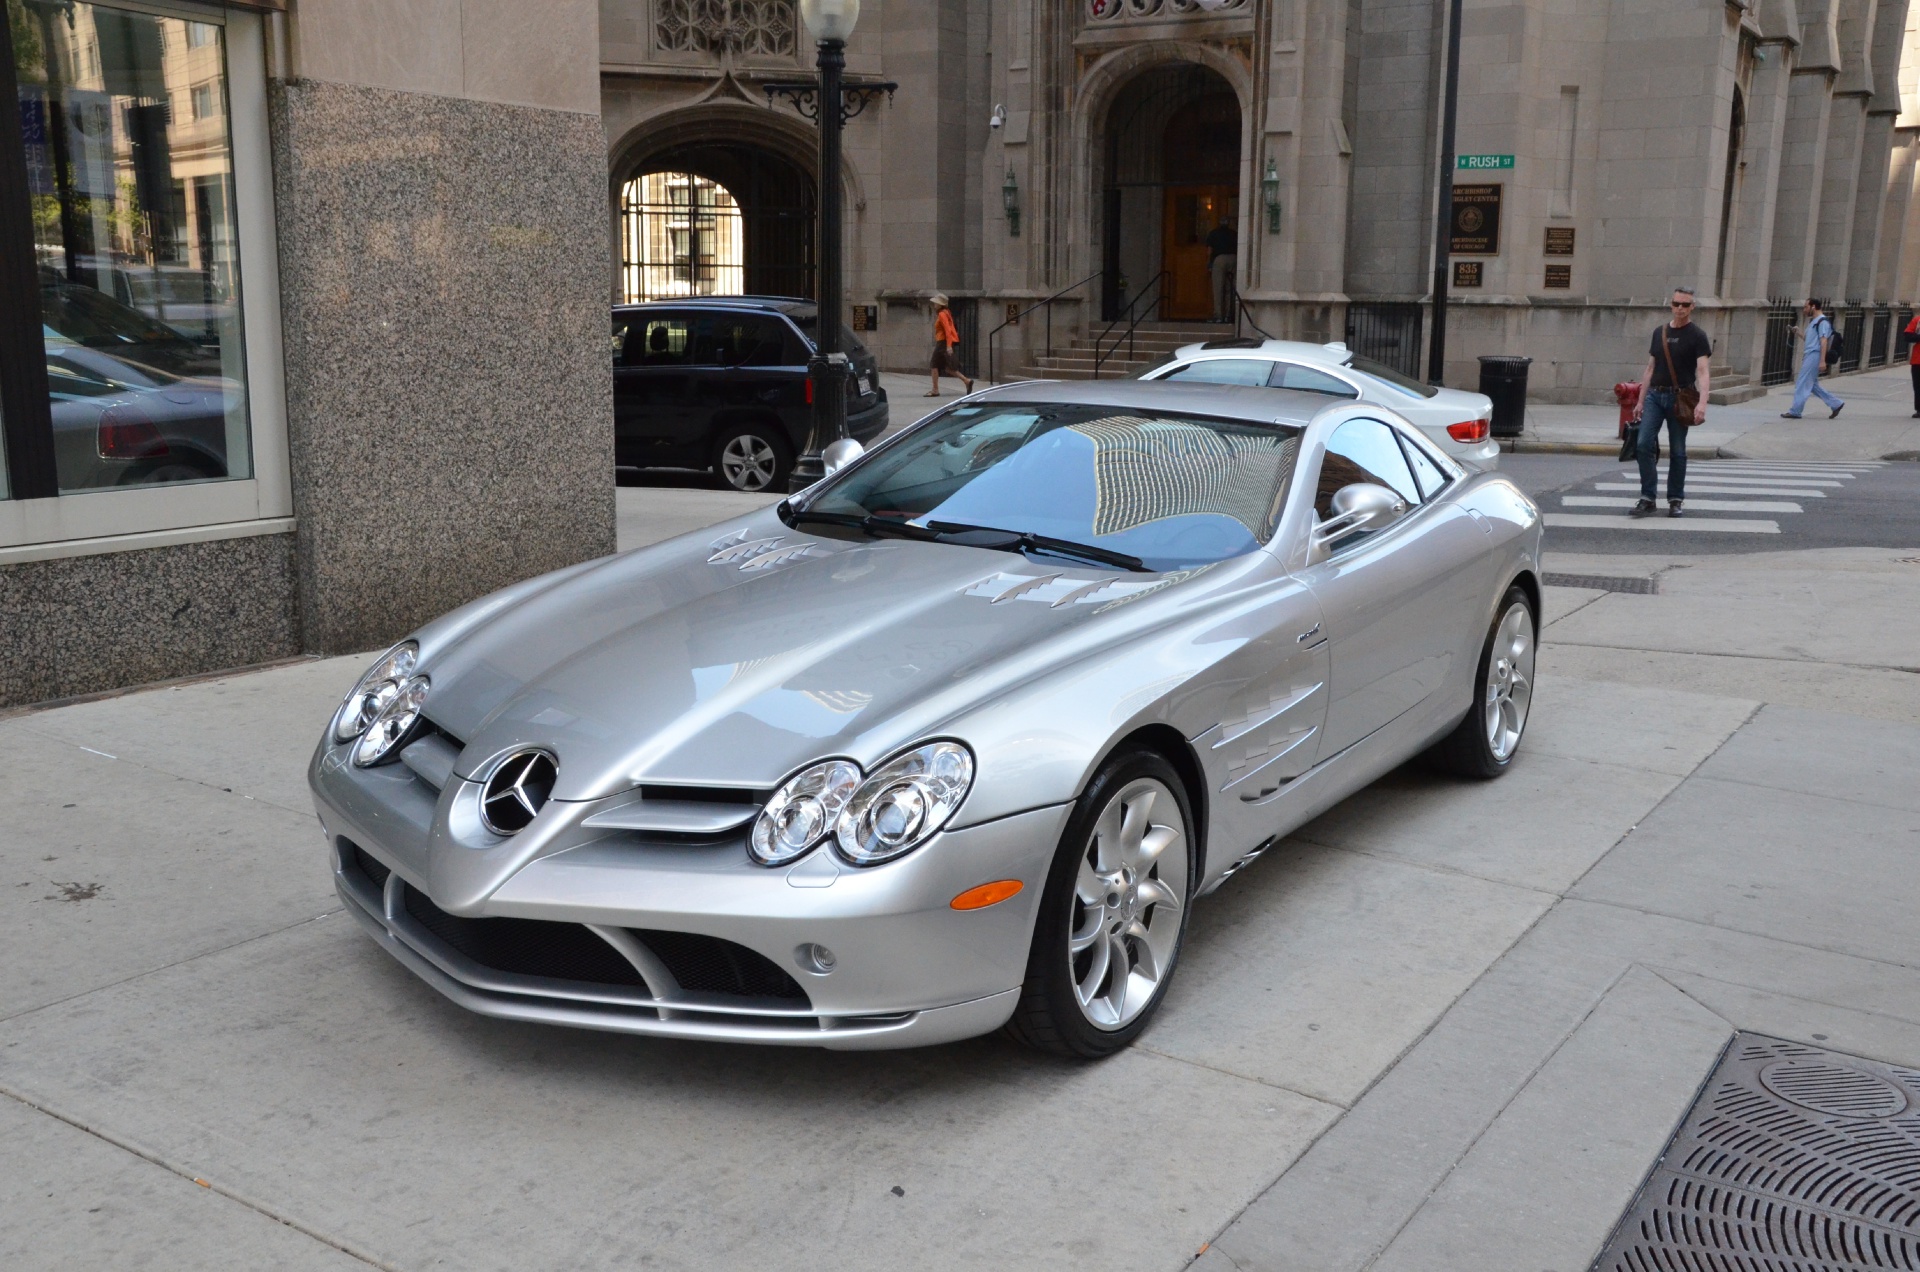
x=1604 y=582
x=1793 y=1159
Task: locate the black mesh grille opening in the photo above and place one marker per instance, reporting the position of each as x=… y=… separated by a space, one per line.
x=710 y=965
x=527 y=947
x=367 y=865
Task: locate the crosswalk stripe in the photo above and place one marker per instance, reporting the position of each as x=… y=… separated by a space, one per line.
x=1707 y=487
x=1693 y=505
x=1597 y=521
x=1777 y=474
x=1865 y=465
x=1708 y=474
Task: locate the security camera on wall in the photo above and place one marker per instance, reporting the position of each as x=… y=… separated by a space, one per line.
x=999 y=118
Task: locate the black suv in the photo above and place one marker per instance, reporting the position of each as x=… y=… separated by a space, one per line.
x=721 y=382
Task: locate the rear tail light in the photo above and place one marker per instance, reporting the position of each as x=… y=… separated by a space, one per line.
x=809 y=390
x=1468 y=431
x=123 y=434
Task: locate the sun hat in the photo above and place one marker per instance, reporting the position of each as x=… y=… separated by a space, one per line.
x=939 y=300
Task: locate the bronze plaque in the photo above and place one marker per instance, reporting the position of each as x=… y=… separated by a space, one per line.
x=1466 y=273
x=866 y=317
x=1476 y=220
x=1559 y=240
x=1560 y=277
x=1013 y=313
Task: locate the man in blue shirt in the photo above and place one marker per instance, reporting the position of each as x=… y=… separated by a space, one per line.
x=1813 y=362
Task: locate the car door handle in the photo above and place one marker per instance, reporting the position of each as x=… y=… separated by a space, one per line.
x=1308 y=635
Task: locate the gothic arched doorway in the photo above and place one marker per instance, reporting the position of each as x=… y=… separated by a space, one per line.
x=716 y=219
x=1172 y=175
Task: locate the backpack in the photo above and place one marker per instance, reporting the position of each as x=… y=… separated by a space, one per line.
x=1835 y=343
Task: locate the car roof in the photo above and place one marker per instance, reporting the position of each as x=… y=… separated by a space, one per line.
x=782 y=304
x=1252 y=405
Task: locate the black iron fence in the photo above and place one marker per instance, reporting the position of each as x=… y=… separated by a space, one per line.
x=966 y=321
x=1388 y=332
x=1777 y=362
x=1851 y=321
x=1882 y=332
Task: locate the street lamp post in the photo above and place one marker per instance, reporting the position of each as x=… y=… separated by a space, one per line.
x=832 y=103
x=1443 y=214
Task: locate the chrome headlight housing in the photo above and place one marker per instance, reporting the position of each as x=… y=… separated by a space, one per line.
x=393 y=724
x=375 y=691
x=803 y=812
x=904 y=804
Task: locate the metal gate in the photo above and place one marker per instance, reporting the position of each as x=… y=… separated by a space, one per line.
x=1882 y=332
x=966 y=322
x=1388 y=332
x=1851 y=320
x=1777 y=362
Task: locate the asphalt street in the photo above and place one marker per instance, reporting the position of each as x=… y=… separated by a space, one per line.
x=1732 y=505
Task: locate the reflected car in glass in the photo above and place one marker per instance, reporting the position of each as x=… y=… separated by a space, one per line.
x=952 y=740
x=1458 y=423
x=721 y=382
x=119 y=423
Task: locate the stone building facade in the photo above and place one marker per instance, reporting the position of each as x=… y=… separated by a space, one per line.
x=1752 y=149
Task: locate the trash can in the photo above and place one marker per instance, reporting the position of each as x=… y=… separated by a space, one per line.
x=1504 y=379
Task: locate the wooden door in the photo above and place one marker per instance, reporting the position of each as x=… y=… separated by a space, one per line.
x=1190 y=214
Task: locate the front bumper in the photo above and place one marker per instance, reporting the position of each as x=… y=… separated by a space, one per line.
x=908 y=969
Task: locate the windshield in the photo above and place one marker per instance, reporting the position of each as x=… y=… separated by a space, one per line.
x=1174 y=491
x=1381 y=371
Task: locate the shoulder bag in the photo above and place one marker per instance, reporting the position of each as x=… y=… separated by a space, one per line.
x=1686 y=404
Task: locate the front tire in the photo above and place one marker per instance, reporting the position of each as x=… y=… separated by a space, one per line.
x=1114 y=913
x=1486 y=741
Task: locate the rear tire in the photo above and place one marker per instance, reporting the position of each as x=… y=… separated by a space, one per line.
x=1485 y=742
x=1114 y=913
x=753 y=458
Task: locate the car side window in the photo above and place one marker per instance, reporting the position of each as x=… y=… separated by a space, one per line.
x=1425 y=471
x=1291 y=375
x=1251 y=371
x=1363 y=451
x=657 y=340
x=748 y=341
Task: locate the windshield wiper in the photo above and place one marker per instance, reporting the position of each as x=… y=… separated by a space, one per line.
x=870 y=524
x=1027 y=541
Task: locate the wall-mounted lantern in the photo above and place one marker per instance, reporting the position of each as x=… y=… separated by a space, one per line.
x=1010 y=197
x=1270 y=191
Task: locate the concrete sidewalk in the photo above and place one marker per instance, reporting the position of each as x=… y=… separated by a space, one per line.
x=1447 y=1025
x=1877 y=423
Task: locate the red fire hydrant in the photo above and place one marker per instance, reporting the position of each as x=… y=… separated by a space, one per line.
x=1627 y=394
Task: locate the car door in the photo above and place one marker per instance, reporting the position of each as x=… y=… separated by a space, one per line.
x=651 y=385
x=1393 y=600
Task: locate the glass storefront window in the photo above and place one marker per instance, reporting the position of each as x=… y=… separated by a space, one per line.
x=130 y=173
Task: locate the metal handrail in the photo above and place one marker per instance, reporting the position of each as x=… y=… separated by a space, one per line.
x=1100 y=356
x=993 y=347
x=1244 y=312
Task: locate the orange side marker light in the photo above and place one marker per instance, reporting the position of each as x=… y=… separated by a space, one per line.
x=986 y=894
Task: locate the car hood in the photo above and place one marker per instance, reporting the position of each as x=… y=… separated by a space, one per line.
x=733 y=657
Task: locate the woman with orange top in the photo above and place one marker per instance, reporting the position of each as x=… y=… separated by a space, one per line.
x=946 y=338
x=1912 y=336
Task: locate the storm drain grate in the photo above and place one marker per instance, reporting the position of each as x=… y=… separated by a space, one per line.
x=1604 y=582
x=1793 y=1159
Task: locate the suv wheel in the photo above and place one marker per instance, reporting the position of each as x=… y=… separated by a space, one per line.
x=752 y=457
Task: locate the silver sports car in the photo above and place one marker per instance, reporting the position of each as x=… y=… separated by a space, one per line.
x=950 y=741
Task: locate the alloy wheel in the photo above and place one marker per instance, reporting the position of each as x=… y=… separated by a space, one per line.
x=1127 y=899
x=748 y=462
x=1509 y=681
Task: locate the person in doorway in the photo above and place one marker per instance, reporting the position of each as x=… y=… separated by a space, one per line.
x=1813 y=362
x=1911 y=334
x=1677 y=363
x=946 y=339
x=1223 y=258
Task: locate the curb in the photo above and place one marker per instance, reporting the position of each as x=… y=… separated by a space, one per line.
x=1534 y=446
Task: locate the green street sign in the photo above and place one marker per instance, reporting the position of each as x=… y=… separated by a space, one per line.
x=1482 y=162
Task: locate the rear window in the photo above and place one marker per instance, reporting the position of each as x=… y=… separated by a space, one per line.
x=1399 y=380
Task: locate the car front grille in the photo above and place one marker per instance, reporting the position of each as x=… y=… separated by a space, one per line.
x=704 y=965
x=368 y=865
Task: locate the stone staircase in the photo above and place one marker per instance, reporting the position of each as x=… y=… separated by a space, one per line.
x=1729 y=388
x=1152 y=341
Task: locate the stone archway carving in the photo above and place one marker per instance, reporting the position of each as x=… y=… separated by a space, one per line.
x=1100 y=85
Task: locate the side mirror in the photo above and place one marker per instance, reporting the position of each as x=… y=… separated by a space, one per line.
x=839 y=454
x=1360 y=508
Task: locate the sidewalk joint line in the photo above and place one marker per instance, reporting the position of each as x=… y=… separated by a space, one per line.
x=148 y=1155
x=1244 y=1077
x=178 y=777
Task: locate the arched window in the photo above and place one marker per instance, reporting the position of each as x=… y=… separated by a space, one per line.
x=680 y=235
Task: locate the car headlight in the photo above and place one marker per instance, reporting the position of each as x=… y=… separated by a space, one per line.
x=394 y=723
x=904 y=803
x=376 y=689
x=803 y=812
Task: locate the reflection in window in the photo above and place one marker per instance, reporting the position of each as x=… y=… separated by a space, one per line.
x=130 y=172
x=680 y=235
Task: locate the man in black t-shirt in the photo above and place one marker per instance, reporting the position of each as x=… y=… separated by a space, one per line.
x=1682 y=364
